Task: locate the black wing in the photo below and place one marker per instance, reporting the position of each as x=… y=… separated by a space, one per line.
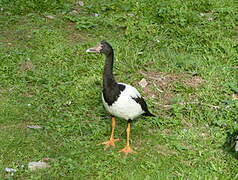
x=143 y=105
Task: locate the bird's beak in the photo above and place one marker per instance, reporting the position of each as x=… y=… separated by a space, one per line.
x=96 y=49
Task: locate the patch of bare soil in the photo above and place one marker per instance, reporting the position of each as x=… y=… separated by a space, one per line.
x=26 y=66
x=161 y=79
x=29 y=94
x=161 y=85
x=21 y=125
x=158 y=85
x=165 y=150
x=194 y=81
x=74 y=36
x=10 y=34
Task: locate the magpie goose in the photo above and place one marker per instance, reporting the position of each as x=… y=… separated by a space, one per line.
x=119 y=99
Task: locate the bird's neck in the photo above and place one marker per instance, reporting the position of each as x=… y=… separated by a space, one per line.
x=108 y=78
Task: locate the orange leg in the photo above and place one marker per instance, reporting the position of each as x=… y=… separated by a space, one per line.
x=112 y=141
x=127 y=149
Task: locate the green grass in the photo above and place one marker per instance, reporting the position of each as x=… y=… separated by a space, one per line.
x=186 y=50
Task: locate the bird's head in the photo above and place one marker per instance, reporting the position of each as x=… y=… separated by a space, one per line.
x=103 y=47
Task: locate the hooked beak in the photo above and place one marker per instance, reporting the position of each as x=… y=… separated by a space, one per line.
x=96 y=49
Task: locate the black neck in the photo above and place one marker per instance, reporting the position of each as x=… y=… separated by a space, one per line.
x=108 y=78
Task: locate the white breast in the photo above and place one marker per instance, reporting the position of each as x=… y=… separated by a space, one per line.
x=125 y=107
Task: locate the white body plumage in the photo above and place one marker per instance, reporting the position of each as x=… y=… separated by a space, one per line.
x=125 y=106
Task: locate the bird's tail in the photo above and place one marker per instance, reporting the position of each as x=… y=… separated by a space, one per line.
x=148 y=114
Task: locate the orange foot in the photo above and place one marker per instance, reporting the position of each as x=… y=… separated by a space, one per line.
x=127 y=150
x=109 y=143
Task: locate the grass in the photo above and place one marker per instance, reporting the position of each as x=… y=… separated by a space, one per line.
x=187 y=52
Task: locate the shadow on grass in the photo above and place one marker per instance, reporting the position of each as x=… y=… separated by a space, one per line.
x=230 y=143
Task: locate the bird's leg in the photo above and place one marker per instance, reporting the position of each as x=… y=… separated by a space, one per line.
x=111 y=141
x=127 y=149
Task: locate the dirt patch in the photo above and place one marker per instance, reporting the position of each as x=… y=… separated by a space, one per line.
x=162 y=86
x=194 y=81
x=28 y=94
x=167 y=131
x=21 y=125
x=7 y=38
x=165 y=150
x=160 y=79
x=158 y=85
x=74 y=36
x=11 y=35
x=165 y=80
x=26 y=66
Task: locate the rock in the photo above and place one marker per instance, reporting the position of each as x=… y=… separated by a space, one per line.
x=50 y=17
x=131 y=14
x=10 y=170
x=37 y=165
x=34 y=127
x=68 y=103
x=236 y=145
x=210 y=19
x=143 y=83
x=74 y=12
x=235 y=96
x=80 y=3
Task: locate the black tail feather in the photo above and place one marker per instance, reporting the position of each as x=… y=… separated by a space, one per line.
x=148 y=114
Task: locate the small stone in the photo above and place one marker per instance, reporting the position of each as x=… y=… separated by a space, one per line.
x=74 y=12
x=202 y=14
x=68 y=103
x=236 y=146
x=96 y=15
x=235 y=96
x=37 y=165
x=131 y=14
x=10 y=170
x=210 y=19
x=81 y=3
x=143 y=83
x=34 y=127
x=50 y=17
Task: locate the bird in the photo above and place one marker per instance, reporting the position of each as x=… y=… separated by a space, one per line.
x=119 y=99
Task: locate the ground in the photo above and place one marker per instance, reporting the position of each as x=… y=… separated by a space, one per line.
x=186 y=52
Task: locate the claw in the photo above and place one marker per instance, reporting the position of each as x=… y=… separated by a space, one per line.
x=127 y=150
x=109 y=143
